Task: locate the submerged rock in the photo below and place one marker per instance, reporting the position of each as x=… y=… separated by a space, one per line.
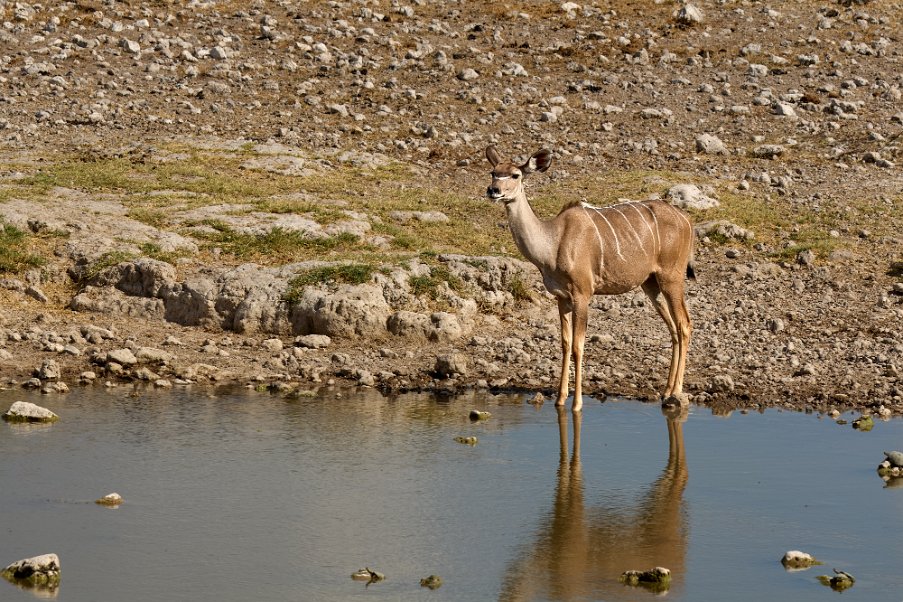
x=39 y=571
x=466 y=440
x=432 y=582
x=864 y=423
x=23 y=411
x=479 y=415
x=657 y=579
x=367 y=574
x=794 y=559
x=839 y=582
x=110 y=499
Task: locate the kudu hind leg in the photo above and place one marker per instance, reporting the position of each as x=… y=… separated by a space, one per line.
x=674 y=296
x=652 y=290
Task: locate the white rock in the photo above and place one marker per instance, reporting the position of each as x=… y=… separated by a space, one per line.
x=23 y=411
x=130 y=46
x=689 y=15
x=122 y=356
x=710 y=145
x=689 y=196
x=219 y=53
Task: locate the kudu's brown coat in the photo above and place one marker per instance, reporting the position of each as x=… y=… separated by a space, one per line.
x=586 y=251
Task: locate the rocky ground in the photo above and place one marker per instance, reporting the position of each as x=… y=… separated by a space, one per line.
x=789 y=113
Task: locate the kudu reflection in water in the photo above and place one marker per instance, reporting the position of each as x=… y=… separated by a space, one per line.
x=581 y=551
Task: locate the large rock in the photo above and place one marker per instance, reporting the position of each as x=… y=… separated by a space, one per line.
x=351 y=311
x=23 y=411
x=689 y=196
x=39 y=571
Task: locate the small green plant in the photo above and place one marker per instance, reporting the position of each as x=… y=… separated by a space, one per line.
x=352 y=273
x=429 y=285
x=518 y=289
x=107 y=260
x=14 y=255
x=154 y=251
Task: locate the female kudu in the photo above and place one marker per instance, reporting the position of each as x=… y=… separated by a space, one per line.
x=586 y=251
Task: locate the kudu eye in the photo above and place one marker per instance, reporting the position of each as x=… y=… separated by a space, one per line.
x=515 y=175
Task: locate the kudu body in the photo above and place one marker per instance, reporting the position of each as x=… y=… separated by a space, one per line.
x=586 y=251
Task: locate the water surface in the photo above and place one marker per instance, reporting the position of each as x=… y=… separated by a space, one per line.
x=241 y=496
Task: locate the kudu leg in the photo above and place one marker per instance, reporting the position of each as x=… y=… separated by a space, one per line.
x=674 y=296
x=565 y=314
x=581 y=317
x=654 y=292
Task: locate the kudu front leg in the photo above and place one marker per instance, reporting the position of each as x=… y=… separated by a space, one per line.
x=565 y=315
x=573 y=317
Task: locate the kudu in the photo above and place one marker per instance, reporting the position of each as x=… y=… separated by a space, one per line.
x=586 y=251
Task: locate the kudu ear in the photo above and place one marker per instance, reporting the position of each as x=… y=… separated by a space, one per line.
x=493 y=155
x=540 y=161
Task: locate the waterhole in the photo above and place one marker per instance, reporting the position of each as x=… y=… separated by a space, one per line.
x=245 y=496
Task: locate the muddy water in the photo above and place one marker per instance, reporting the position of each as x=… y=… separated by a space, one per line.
x=240 y=496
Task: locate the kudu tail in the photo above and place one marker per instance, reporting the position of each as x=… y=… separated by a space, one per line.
x=691 y=262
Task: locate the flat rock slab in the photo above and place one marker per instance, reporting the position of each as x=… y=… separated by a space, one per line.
x=23 y=411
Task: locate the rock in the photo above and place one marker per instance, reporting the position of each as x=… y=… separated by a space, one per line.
x=367 y=574
x=657 y=579
x=451 y=364
x=688 y=15
x=110 y=499
x=152 y=355
x=839 y=582
x=479 y=415
x=49 y=370
x=123 y=357
x=468 y=75
x=794 y=559
x=710 y=145
x=864 y=423
x=895 y=458
x=721 y=383
x=272 y=345
x=130 y=46
x=768 y=151
x=55 y=387
x=219 y=53
x=23 y=411
x=432 y=582
x=466 y=440
x=352 y=310
x=40 y=572
x=689 y=196
x=723 y=229
x=313 y=341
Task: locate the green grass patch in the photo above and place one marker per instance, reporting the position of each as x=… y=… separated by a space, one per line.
x=279 y=245
x=15 y=251
x=107 y=260
x=430 y=285
x=351 y=273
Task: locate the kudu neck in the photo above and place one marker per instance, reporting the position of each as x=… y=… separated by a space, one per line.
x=528 y=230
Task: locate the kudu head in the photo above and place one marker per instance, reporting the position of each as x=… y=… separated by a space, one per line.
x=508 y=178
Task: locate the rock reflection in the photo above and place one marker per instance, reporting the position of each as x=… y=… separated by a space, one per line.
x=582 y=550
